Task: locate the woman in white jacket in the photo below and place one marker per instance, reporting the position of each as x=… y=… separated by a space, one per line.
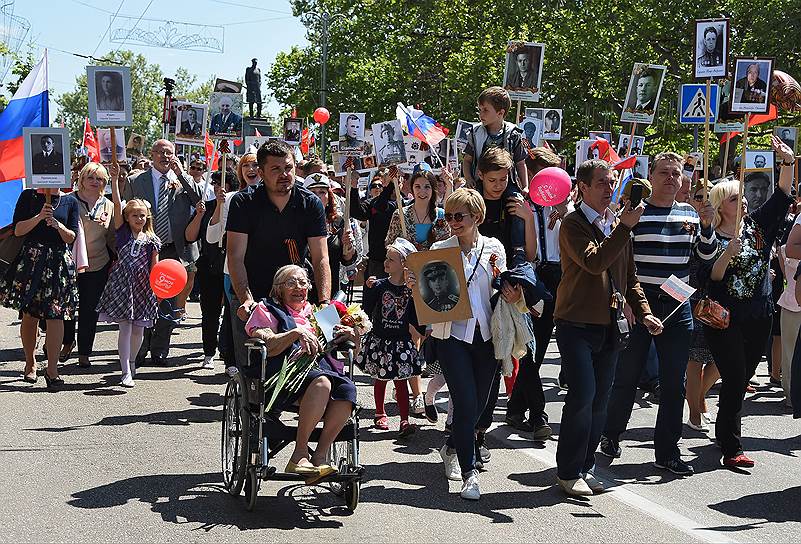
x=464 y=348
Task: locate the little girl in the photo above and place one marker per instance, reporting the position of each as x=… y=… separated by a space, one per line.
x=128 y=298
x=388 y=352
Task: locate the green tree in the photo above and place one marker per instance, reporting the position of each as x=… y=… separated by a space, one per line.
x=23 y=63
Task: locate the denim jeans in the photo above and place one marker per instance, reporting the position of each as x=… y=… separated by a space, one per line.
x=588 y=361
x=672 y=348
x=469 y=371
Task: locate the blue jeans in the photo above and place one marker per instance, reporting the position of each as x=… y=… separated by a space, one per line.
x=588 y=362
x=469 y=370
x=673 y=348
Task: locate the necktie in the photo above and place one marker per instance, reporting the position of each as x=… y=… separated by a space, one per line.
x=541 y=229
x=162 y=213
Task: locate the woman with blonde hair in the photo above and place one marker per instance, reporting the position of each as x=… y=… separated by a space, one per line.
x=97 y=213
x=247 y=171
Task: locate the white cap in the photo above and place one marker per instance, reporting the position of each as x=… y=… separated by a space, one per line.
x=317 y=180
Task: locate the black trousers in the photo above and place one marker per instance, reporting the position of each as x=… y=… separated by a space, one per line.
x=156 y=339
x=210 y=285
x=90 y=289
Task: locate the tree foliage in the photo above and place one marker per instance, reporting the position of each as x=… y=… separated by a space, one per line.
x=440 y=54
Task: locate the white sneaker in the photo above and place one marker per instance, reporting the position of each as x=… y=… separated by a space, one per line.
x=419 y=405
x=208 y=362
x=707 y=417
x=127 y=381
x=452 y=470
x=470 y=489
x=594 y=483
x=702 y=427
x=575 y=488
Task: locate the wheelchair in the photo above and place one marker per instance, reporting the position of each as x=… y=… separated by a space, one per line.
x=252 y=437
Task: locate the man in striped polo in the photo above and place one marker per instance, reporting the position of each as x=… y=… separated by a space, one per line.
x=665 y=239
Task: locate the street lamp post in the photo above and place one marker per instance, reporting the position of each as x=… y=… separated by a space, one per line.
x=325 y=19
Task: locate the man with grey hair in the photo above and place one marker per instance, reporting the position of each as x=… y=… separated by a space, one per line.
x=171 y=194
x=225 y=122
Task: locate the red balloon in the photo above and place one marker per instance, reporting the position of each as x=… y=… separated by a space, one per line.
x=168 y=278
x=549 y=186
x=322 y=115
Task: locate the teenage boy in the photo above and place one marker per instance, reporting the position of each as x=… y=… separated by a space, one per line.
x=493 y=105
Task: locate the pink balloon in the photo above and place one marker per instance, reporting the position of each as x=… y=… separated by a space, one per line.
x=322 y=115
x=549 y=186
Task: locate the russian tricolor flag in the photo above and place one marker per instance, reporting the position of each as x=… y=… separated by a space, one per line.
x=420 y=125
x=28 y=108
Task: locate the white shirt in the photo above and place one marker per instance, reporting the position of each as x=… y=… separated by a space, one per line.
x=603 y=222
x=787 y=300
x=214 y=233
x=156 y=175
x=552 y=254
x=478 y=294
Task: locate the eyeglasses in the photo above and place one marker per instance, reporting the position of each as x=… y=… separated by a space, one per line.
x=292 y=283
x=165 y=152
x=457 y=217
x=198 y=168
x=376 y=186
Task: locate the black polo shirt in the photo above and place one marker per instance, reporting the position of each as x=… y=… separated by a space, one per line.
x=275 y=238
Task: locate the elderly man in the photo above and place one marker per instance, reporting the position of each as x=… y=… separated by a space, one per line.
x=171 y=194
x=226 y=121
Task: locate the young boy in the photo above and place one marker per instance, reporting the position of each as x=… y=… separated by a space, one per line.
x=493 y=105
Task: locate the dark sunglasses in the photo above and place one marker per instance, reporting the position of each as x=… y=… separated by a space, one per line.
x=376 y=186
x=195 y=168
x=458 y=217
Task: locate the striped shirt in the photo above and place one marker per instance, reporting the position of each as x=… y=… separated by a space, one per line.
x=664 y=240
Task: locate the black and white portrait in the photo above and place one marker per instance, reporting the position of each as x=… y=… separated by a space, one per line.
x=463 y=129
x=104 y=142
x=788 y=135
x=109 y=89
x=225 y=110
x=532 y=131
x=439 y=286
x=711 y=48
x=46 y=157
x=752 y=79
x=595 y=134
x=637 y=145
x=136 y=142
x=758 y=187
x=643 y=93
x=190 y=123
x=292 y=130
x=759 y=159
x=351 y=133
x=552 y=125
x=227 y=86
x=388 y=141
x=640 y=168
x=522 y=75
x=584 y=152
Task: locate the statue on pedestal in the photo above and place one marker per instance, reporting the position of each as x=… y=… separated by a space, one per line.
x=253 y=84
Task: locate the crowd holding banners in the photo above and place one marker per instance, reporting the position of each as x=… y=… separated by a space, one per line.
x=274 y=235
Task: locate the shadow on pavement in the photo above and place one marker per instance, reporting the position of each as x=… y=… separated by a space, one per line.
x=771 y=507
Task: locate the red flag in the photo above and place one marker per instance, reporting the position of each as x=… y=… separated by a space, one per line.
x=306 y=141
x=258 y=134
x=625 y=163
x=210 y=152
x=757 y=119
x=89 y=142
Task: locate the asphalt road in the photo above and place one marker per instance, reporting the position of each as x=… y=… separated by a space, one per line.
x=100 y=463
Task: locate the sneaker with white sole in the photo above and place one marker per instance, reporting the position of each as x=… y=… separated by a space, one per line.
x=418 y=408
x=594 y=483
x=208 y=362
x=470 y=489
x=575 y=488
x=127 y=381
x=702 y=427
x=452 y=470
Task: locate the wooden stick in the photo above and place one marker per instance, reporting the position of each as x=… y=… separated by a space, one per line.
x=742 y=177
x=519 y=103
x=726 y=155
x=399 y=200
x=346 y=211
x=706 y=138
x=797 y=171
x=113 y=133
x=631 y=139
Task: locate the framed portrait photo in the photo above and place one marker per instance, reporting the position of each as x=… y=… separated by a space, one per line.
x=190 y=123
x=640 y=168
x=642 y=96
x=225 y=111
x=104 y=144
x=389 y=144
x=758 y=187
x=552 y=124
x=752 y=80
x=637 y=145
x=351 y=133
x=441 y=291
x=759 y=159
x=227 y=86
x=292 y=130
x=585 y=152
x=109 y=90
x=522 y=75
x=47 y=157
x=606 y=135
x=256 y=141
x=532 y=131
x=136 y=142
x=788 y=135
x=711 y=52
x=463 y=129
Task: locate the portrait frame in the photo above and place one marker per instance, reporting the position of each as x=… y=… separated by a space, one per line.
x=751 y=157
x=102 y=112
x=233 y=127
x=182 y=115
x=526 y=124
x=132 y=142
x=623 y=145
x=227 y=86
x=256 y=141
x=793 y=141
x=583 y=150
x=643 y=115
x=356 y=148
x=644 y=162
x=761 y=176
x=722 y=29
x=293 y=130
x=103 y=135
x=739 y=102
x=463 y=129
x=390 y=148
x=547 y=133
x=41 y=173
x=523 y=88
x=421 y=262
x=605 y=134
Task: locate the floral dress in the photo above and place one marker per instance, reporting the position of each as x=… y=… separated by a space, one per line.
x=128 y=295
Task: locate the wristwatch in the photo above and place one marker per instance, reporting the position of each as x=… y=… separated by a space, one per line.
x=791 y=163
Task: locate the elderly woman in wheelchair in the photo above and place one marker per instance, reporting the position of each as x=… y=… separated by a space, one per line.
x=283 y=324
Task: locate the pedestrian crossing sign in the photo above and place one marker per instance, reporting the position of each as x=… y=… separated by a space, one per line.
x=692 y=104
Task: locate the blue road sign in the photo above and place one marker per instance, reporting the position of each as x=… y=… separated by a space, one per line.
x=692 y=104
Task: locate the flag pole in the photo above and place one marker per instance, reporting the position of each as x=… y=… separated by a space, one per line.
x=631 y=138
x=706 y=138
x=742 y=177
x=408 y=116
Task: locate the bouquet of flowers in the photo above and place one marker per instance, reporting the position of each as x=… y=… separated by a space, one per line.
x=297 y=365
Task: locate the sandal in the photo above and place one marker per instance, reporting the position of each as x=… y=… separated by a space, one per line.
x=54 y=384
x=324 y=470
x=406 y=429
x=303 y=470
x=66 y=352
x=381 y=422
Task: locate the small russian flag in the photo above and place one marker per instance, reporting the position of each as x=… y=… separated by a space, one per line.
x=420 y=125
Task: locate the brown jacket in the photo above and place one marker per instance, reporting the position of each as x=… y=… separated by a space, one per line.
x=584 y=294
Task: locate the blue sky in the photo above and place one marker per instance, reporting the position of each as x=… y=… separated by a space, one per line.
x=252 y=29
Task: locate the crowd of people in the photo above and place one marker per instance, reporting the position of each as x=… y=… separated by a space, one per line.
x=273 y=236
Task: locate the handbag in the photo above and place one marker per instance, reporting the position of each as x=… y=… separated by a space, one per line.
x=621 y=331
x=10 y=247
x=712 y=313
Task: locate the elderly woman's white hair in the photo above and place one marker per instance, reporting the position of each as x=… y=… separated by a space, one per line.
x=282 y=275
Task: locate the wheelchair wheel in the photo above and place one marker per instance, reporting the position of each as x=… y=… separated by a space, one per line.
x=337 y=457
x=235 y=438
x=351 y=492
x=352 y=489
x=252 y=489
